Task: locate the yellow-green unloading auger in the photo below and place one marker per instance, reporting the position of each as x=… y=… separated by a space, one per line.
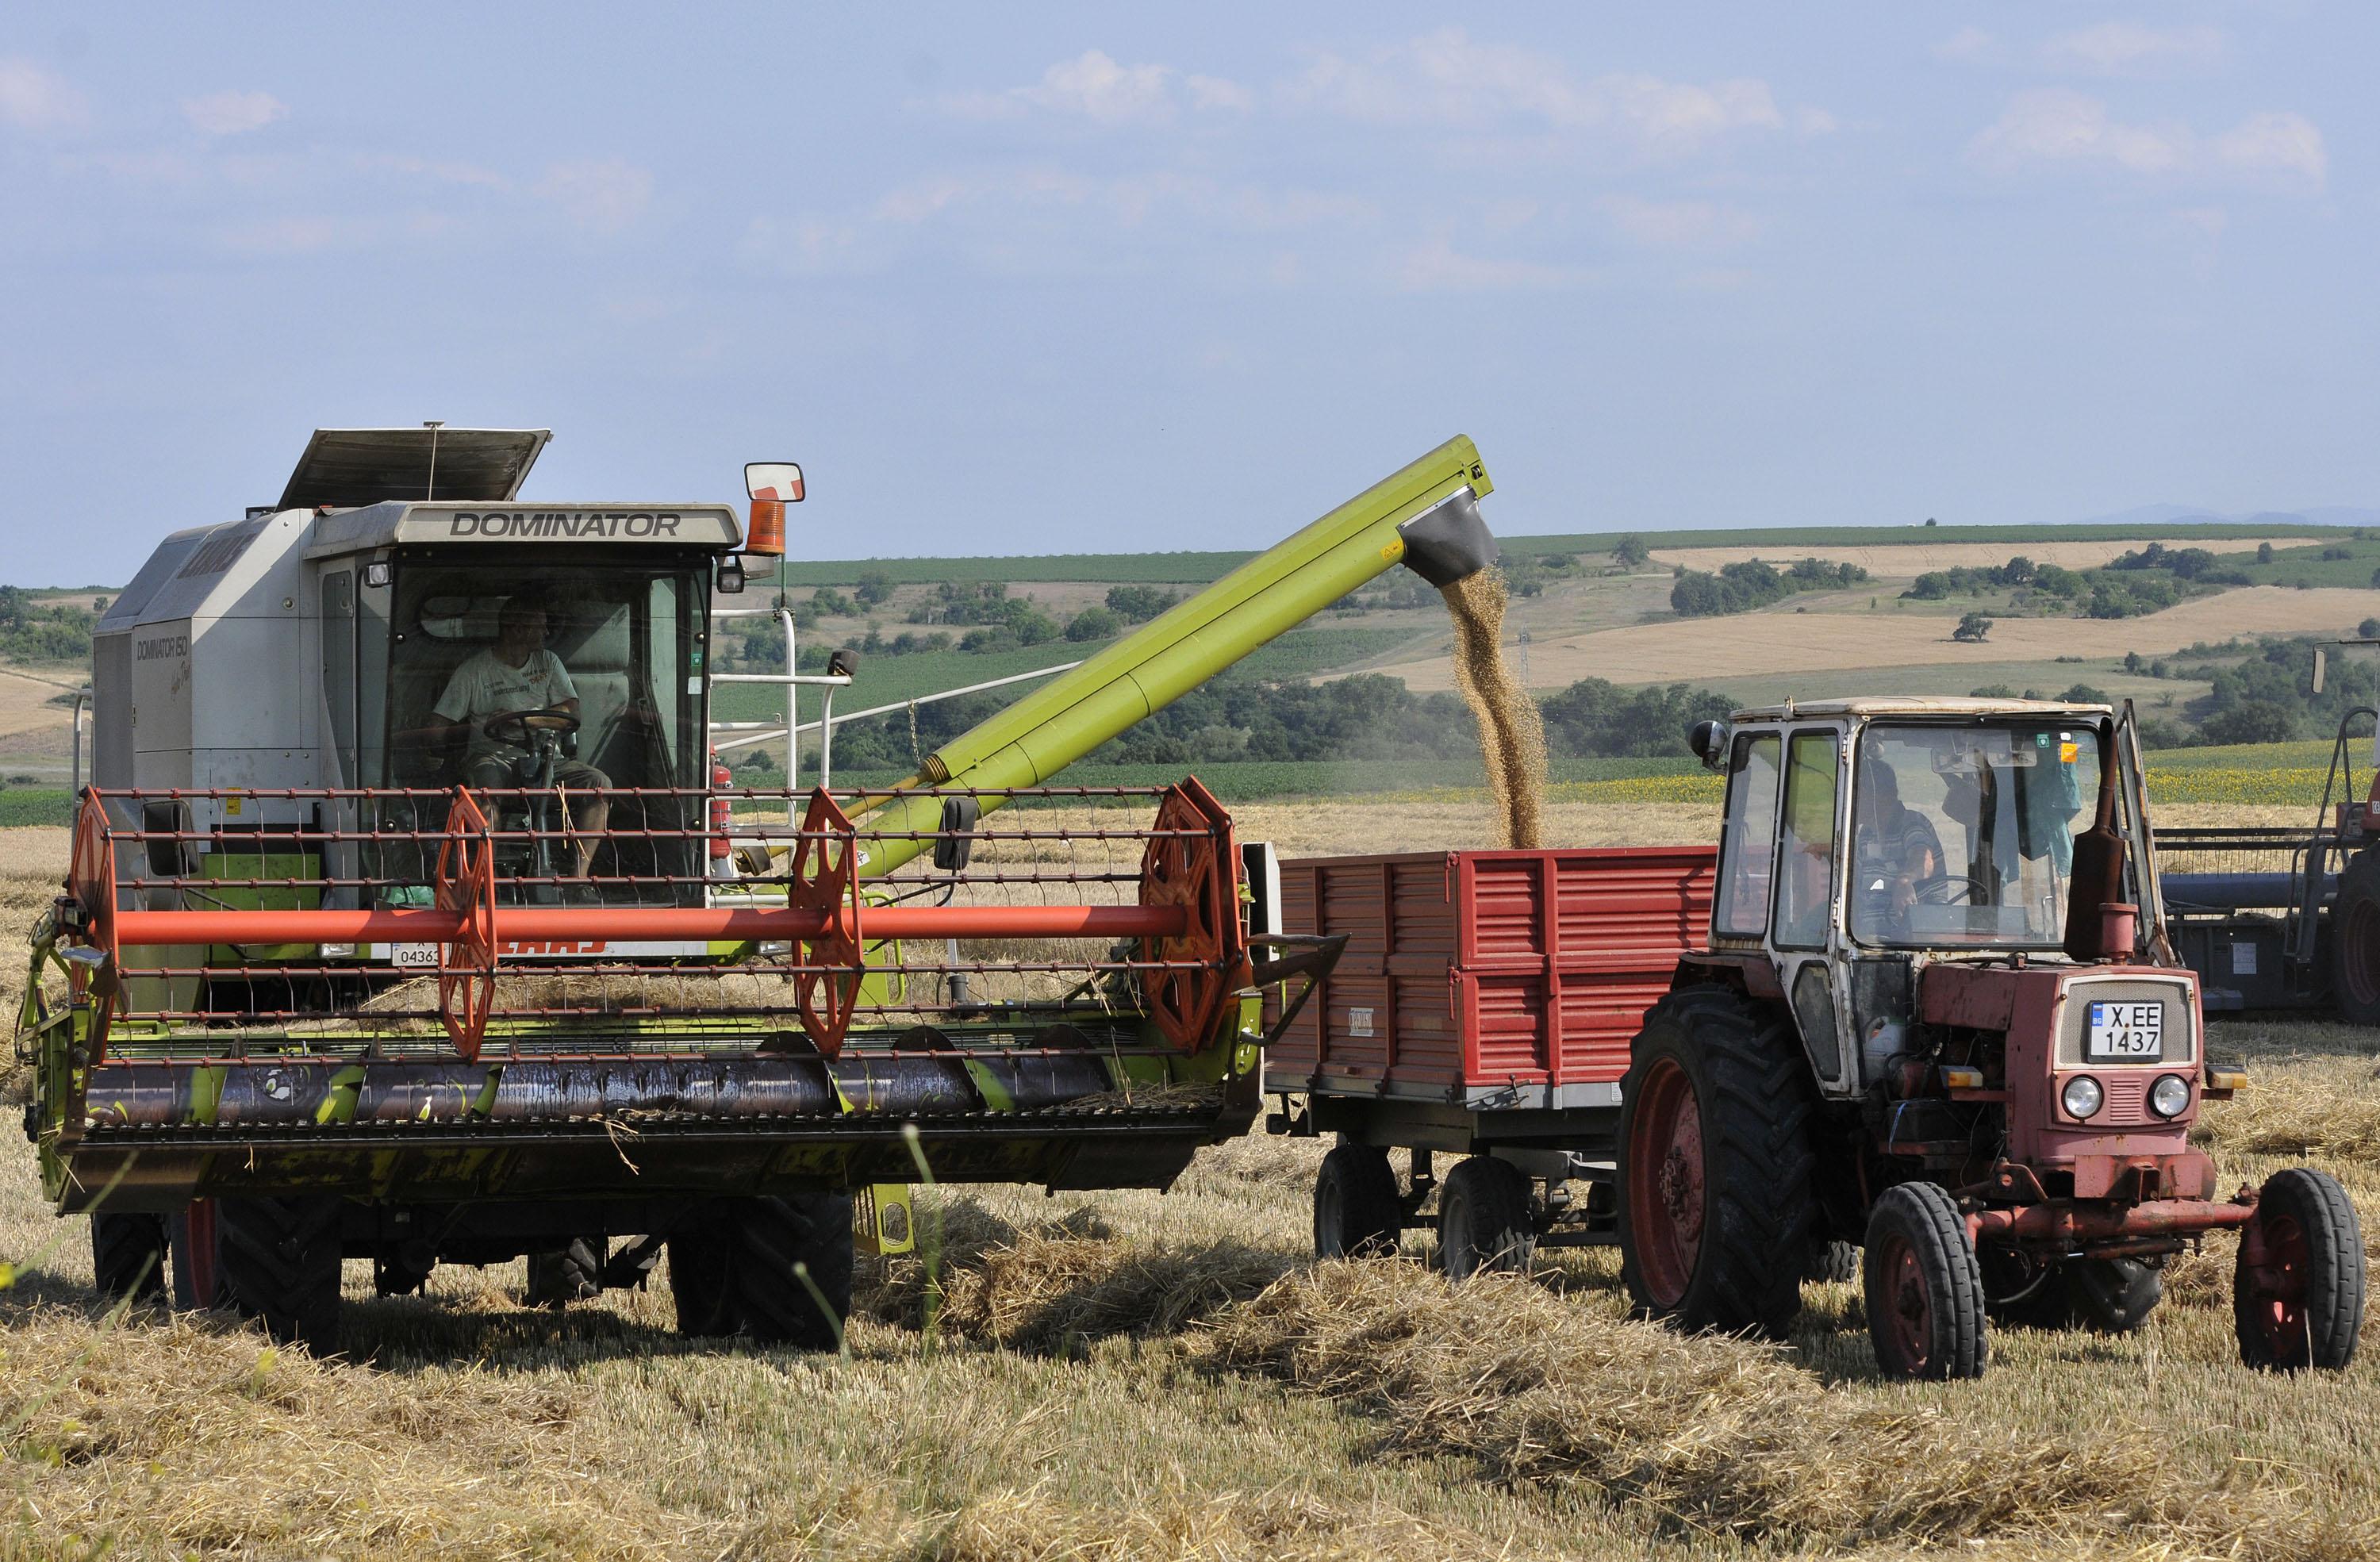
x=1425 y=516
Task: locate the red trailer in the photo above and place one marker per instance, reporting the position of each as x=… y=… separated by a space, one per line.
x=1483 y=1007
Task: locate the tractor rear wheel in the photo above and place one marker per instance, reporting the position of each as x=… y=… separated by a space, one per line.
x=2296 y=1294
x=278 y=1260
x=1358 y=1211
x=1925 y=1288
x=565 y=1275
x=1483 y=1219
x=791 y=1268
x=1718 y=1209
x=2355 y=940
x=127 y=1257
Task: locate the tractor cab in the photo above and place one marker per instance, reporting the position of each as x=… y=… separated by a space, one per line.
x=1868 y=842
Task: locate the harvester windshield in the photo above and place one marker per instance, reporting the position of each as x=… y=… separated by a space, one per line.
x=1963 y=836
x=628 y=640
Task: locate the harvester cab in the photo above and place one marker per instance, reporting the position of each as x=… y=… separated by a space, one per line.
x=395 y=924
x=1938 y=1015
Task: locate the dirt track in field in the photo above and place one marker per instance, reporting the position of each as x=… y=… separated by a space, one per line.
x=1768 y=643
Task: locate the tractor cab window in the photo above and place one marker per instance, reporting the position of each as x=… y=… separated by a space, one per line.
x=1964 y=836
x=1749 y=844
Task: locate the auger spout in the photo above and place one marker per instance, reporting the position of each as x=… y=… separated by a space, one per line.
x=1424 y=516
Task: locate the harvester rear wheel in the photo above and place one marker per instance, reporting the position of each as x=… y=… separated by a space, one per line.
x=2297 y=1295
x=2355 y=941
x=2111 y=1295
x=563 y=1276
x=1357 y=1210
x=1483 y=1219
x=771 y=1236
x=1718 y=1206
x=1925 y=1288
x=278 y=1260
x=128 y=1257
x=1836 y=1263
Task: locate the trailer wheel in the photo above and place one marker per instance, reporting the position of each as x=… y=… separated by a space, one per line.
x=771 y=1236
x=1716 y=1201
x=278 y=1260
x=1357 y=1209
x=563 y=1276
x=2111 y=1295
x=1925 y=1288
x=2296 y=1294
x=2355 y=941
x=700 y=1262
x=127 y=1257
x=1833 y=1261
x=1483 y=1219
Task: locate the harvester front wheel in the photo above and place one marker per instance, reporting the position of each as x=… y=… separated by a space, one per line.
x=700 y=1260
x=2112 y=1295
x=2297 y=1295
x=1717 y=1203
x=1925 y=1288
x=1483 y=1219
x=792 y=1268
x=127 y=1257
x=563 y=1276
x=278 y=1260
x=1357 y=1210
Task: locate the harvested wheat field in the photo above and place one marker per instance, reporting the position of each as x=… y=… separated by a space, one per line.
x=1137 y=1376
x=1781 y=640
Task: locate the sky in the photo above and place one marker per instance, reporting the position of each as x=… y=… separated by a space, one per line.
x=1129 y=278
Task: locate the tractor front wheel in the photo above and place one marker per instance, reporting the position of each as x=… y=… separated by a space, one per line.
x=1357 y=1210
x=2296 y=1294
x=1925 y=1288
x=1718 y=1207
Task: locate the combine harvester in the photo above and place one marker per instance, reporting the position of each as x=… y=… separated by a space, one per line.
x=1923 y=997
x=349 y=979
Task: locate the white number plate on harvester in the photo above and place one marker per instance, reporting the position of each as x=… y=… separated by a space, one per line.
x=2125 y=1033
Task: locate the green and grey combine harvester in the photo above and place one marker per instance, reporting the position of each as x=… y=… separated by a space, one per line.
x=331 y=991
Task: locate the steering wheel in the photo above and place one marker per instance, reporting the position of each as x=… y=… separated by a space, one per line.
x=1952 y=891
x=515 y=727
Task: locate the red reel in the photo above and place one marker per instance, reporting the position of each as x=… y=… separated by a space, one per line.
x=466 y=884
x=1199 y=871
x=825 y=871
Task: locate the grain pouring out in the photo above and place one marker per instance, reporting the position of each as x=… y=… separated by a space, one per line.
x=1512 y=733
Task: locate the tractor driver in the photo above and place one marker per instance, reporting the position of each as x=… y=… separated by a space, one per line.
x=1900 y=841
x=517 y=675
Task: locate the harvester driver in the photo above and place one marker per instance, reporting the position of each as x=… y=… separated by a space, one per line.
x=507 y=687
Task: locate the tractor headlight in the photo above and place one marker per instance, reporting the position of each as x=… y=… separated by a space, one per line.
x=2081 y=1096
x=2169 y=1096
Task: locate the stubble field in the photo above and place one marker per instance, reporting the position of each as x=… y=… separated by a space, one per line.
x=1131 y=1374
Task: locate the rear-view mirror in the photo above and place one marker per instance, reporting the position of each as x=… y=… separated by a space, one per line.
x=780 y=480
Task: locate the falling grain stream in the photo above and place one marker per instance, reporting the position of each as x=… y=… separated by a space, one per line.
x=1512 y=734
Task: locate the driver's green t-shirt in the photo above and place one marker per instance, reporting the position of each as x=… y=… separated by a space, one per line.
x=487 y=685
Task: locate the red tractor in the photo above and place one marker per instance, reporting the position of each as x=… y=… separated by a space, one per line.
x=1940 y=1016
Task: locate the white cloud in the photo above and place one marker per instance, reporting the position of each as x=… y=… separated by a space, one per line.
x=1438 y=267
x=2208 y=221
x=233 y=113
x=2123 y=48
x=2055 y=126
x=604 y=196
x=1969 y=45
x=1685 y=223
x=1447 y=78
x=1096 y=87
x=35 y=99
x=2288 y=146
